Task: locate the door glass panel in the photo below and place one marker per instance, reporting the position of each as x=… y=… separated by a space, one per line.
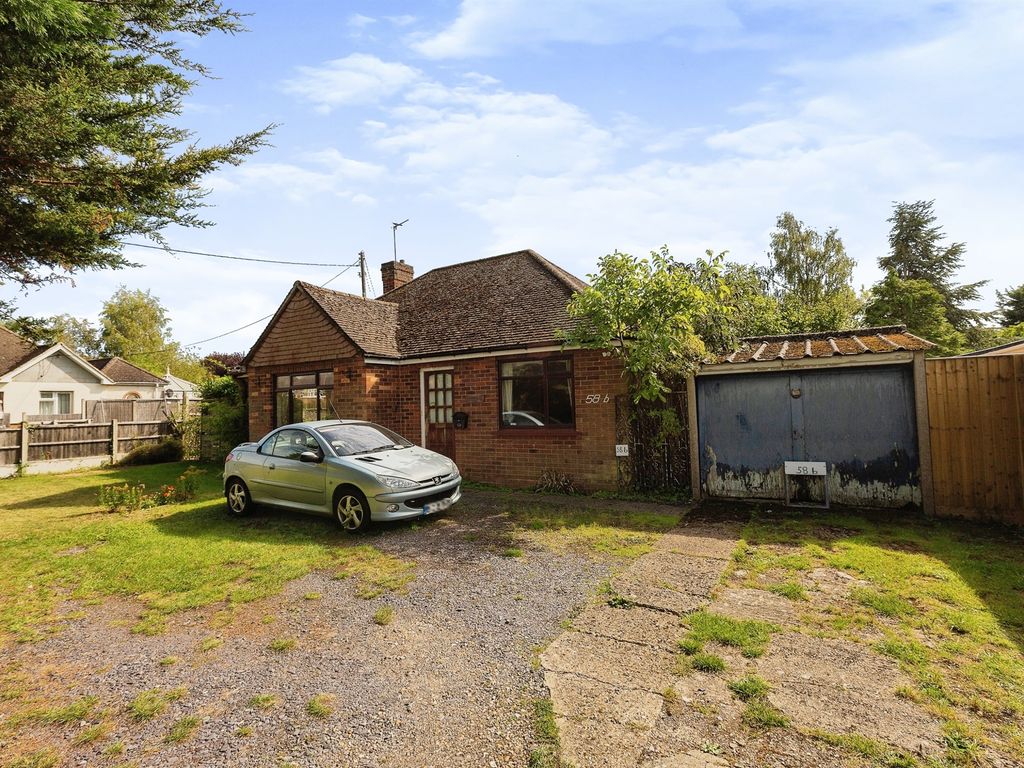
x=432 y=397
x=448 y=381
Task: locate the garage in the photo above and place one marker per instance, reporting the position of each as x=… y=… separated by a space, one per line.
x=817 y=419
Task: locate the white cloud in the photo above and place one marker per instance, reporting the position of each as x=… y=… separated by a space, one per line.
x=489 y=137
x=489 y=27
x=359 y=21
x=500 y=27
x=359 y=78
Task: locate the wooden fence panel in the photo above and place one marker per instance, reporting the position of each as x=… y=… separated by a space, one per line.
x=55 y=442
x=976 y=414
x=132 y=435
x=68 y=442
x=10 y=446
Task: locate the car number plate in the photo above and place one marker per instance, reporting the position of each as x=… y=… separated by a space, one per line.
x=436 y=506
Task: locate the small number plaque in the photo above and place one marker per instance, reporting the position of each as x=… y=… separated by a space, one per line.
x=621 y=450
x=806 y=468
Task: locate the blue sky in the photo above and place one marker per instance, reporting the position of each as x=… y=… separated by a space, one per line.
x=575 y=127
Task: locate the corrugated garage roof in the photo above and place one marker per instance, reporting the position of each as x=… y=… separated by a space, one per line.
x=798 y=346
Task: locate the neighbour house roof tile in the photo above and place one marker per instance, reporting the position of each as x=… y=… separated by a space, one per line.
x=512 y=300
x=14 y=350
x=122 y=372
x=860 y=341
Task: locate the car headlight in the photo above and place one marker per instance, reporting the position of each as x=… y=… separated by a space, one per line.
x=396 y=482
x=455 y=470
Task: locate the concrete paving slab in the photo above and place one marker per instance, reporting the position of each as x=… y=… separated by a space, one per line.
x=755 y=604
x=714 y=540
x=602 y=659
x=633 y=625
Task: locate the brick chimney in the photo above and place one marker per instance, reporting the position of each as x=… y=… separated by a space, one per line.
x=395 y=274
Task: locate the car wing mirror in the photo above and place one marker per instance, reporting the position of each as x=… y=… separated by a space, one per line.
x=310 y=457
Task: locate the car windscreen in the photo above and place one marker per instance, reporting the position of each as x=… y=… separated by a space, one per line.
x=350 y=439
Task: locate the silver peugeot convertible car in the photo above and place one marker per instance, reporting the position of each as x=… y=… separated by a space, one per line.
x=354 y=471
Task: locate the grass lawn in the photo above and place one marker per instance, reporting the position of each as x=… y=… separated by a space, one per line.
x=945 y=599
x=56 y=544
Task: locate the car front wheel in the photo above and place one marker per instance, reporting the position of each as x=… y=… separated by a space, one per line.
x=351 y=511
x=238 y=498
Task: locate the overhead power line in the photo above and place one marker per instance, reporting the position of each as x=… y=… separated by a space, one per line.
x=247 y=325
x=237 y=258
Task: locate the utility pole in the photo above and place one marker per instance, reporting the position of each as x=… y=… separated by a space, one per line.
x=394 y=236
x=362 y=271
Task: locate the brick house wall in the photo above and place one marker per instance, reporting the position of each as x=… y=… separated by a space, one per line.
x=485 y=452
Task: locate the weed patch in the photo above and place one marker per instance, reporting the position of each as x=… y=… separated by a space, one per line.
x=383 y=615
x=320 y=706
x=759 y=713
x=749 y=687
x=751 y=637
x=183 y=729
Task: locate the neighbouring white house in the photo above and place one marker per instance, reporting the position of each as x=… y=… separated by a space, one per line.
x=51 y=382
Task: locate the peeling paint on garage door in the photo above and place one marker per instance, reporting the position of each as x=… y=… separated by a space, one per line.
x=861 y=421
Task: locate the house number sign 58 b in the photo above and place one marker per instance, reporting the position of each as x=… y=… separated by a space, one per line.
x=595 y=399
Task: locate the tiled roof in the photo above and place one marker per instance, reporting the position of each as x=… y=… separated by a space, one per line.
x=860 y=341
x=372 y=325
x=14 y=350
x=122 y=372
x=513 y=300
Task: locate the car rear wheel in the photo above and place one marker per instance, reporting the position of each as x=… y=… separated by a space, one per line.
x=351 y=510
x=238 y=498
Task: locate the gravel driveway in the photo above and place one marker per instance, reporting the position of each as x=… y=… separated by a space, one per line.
x=448 y=682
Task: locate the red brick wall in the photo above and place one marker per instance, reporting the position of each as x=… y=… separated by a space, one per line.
x=390 y=395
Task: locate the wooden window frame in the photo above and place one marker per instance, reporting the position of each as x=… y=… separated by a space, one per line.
x=571 y=376
x=292 y=387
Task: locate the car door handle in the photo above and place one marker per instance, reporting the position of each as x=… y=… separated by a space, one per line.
x=271 y=466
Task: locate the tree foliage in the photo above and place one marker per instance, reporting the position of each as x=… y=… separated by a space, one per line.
x=74 y=332
x=1010 y=306
x=917 y=252
x=647 y=312
x=812 y=276
x=918 y=305
x=88 y=156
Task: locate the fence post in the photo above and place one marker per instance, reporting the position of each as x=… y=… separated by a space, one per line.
x=23 y=457
x=114 y=438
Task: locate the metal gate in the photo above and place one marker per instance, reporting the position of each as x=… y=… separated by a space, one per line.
x=860 y=421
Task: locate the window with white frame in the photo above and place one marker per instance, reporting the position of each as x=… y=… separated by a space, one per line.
x=54 y=403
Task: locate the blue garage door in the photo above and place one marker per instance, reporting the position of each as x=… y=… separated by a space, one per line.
x=861 y=421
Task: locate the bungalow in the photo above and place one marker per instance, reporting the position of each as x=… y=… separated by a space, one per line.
x=50 y=382
x=465 y=360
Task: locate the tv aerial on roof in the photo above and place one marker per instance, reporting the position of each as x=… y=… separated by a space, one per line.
x=394 y=236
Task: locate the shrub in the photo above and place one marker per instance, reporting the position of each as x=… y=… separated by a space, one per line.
x=556 y=482
x=184 y=489
x=123 y=498
x=155 y=453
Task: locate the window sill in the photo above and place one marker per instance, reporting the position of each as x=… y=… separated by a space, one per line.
x=538 y=432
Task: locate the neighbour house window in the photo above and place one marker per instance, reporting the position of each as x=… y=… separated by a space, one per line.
x=303 y=397
x=536 y=393
x=54 y=403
